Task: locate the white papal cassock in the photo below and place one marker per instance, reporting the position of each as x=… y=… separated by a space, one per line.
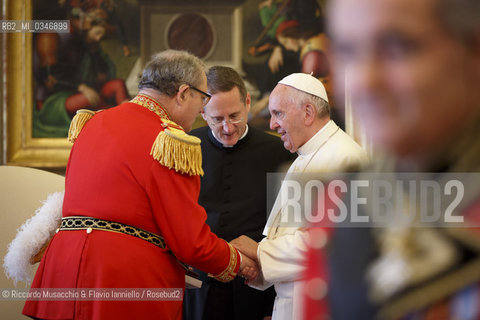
x=281 y=253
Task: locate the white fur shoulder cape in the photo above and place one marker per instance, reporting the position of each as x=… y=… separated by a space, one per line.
x=31 y=237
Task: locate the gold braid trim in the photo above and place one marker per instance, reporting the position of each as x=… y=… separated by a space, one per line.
x=231 y=271
x=173 y=148
x=151 y=104
x=78 y=122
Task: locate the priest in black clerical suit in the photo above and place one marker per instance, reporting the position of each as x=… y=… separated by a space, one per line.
x=236 y=160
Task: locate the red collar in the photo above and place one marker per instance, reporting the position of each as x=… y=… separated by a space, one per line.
x=152 y=105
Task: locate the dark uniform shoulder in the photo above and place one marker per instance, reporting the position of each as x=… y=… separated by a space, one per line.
x=263 y=135
x=272 y=145
x=199 y=132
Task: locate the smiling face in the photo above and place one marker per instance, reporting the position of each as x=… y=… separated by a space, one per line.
x=224 y=108
x=411 y=83
x=287 y=118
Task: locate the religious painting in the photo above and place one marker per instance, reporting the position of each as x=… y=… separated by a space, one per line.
x=97 y=63
x=94 y=64
x=263 y=40
x=86 y=67
x=284 y=37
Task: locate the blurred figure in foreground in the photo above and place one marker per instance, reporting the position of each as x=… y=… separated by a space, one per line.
x=413 y=69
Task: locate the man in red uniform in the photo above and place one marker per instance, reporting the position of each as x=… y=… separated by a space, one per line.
x=133 y=178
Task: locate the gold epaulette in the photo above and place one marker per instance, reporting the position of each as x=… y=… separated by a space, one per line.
x=78 y=122
x=177 y=150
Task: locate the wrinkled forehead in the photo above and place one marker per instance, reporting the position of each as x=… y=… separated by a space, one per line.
x=279 y=97
x=366 y=19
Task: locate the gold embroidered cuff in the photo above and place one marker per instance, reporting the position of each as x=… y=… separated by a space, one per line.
x=233 y=266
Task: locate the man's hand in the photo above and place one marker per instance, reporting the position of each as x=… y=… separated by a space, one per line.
x=266 y=3
x=247 y=246
x=276 y=59
x=248 y=269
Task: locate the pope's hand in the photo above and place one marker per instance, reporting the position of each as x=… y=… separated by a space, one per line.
x=247 y=246
x=248 y=269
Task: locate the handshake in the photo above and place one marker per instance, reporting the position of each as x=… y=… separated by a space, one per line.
x=249 y=267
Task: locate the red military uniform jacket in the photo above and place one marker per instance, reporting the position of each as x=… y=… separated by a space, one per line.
x=112 y=176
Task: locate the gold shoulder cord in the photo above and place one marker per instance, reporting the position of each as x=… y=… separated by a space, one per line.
x=173 y=148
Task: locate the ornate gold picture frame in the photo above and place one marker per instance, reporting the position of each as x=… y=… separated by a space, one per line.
x=22 y=149
x=39 y=72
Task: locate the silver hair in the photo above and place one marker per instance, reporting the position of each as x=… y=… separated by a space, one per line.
x=169 y=69
x=301 y=98
x=460 y=18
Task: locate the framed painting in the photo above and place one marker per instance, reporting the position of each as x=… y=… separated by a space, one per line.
x=50 y=75
x=97 y=63
x=264 y=40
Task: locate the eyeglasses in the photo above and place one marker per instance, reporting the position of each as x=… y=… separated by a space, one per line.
x=218 y=121
x=205 y=96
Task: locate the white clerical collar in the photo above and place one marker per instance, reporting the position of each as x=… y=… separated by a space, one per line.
x=243 y=136
x=318 y=139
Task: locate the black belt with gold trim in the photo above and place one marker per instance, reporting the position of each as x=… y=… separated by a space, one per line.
x=82 y=223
